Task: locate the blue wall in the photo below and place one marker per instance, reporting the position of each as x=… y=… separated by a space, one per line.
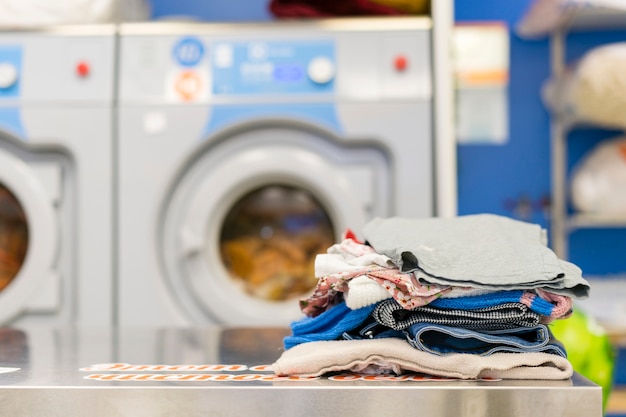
x=497 y=178
x=500 y=179
x=494 y=178
x=211 y=10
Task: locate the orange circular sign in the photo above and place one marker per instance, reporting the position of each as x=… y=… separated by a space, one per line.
x=188 y=85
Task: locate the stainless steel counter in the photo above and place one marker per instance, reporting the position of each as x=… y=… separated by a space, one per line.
x=213 y=371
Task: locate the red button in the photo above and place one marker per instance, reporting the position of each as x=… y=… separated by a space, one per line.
x=400 y=63
x=83 y=69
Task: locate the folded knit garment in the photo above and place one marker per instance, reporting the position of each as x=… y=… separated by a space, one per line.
x=329 y=325
x=562 y=305
x=497 y=317
x=483 y=250
x=319 y=358
x=530 y=299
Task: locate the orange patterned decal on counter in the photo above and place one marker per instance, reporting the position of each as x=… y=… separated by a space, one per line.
x=125 y=372
x=165 y=368
x=121 y=373
x=196 y=377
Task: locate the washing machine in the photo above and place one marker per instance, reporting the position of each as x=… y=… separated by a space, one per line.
x=56 y=182
x=244 y=150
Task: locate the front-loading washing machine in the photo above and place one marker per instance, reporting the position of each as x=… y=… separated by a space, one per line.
x=244 y=150
x=56 y=96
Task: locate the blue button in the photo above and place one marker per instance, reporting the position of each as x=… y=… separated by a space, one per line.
x=288 y=73
x=188 y=51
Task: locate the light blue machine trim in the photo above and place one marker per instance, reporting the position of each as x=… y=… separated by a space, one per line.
x=321 y=114
x=11 y=122
x=10 y=117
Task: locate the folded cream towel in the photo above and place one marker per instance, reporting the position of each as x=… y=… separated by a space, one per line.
x=319 y=358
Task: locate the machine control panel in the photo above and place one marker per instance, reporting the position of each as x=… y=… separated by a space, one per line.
x=283 y=62
x=269 y=67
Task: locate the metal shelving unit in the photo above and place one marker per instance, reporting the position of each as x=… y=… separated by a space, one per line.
x=562 y=222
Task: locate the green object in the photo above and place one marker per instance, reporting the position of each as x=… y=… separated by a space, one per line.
x=589 y=349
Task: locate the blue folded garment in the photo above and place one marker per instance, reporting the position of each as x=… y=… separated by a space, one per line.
x=533 y=301
x=329 y=325
x=320 y=323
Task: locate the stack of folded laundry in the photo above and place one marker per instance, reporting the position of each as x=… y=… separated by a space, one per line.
x=466 y=297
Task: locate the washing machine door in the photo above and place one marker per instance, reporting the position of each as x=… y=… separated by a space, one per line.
x=28 y=235
x=243 y=226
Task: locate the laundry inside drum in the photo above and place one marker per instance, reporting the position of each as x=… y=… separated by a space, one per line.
x=13 y=237
x=270 y=238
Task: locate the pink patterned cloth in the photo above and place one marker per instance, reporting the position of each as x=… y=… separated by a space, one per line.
x=403 y=287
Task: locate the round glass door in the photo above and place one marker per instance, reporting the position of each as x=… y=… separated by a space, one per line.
x=241 y=228
x=269 y=241
x=13 y=237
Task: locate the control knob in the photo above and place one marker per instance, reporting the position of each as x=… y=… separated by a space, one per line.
x=8 y=75
x=321 y=70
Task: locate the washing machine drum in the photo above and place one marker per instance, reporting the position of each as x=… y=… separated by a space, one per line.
x=269 y=239
x=28 y=234
x=13 y=236
x=243 y=224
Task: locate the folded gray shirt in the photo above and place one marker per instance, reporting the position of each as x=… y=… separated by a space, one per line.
x=480 y=251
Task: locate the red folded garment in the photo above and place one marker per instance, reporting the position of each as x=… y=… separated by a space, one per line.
x=327 y=8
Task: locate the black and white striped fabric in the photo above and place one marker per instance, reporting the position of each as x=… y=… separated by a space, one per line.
x=499 y=317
